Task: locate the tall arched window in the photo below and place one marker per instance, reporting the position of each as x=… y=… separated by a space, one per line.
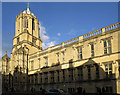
x=27 y=22
x=18 y=25
x=33 y=24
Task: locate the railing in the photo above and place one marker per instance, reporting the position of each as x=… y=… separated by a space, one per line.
x=102 y=30
x=91 y=34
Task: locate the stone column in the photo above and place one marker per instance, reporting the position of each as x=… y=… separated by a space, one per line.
x=117 y=69
x=93 y=72
x=85 y=73
x=43 y=78
x=61 y=76
x=67 y=75
x=118 y=86
x=75 y=73
x=55 y=76
x=21 y=23
x=49 y=77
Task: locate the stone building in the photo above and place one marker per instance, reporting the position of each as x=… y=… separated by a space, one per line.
x=89 y=63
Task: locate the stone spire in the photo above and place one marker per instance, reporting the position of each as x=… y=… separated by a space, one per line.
x=28 y=7
x=5 y=52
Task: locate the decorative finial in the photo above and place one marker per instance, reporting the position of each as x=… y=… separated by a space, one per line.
x=21 y=11
x=28 y=7
x=16 y=16
x=5 y=52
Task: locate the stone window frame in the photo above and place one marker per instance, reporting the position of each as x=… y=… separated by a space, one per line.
x=92 y=50
x=34 y=40
x=80 y=73
x=63 y=51
x=58 y=57
x=64 y=73
x=73 y=48
x=97 y=71
x=46 y=77
x=46 y=61
x=89 y=72
x=58 y=76
x=18 y=24
x=33 y=24
x=18 y=40
x=32 y=65
x=52 y=73
x=109 y=70
x=41 y=78
x=80 y=52
x=71 y=74
x=108 y=45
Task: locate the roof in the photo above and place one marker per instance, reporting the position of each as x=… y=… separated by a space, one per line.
x=28 y=11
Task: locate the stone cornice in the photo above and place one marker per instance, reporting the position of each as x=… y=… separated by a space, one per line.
x=28 y=42
x=28 y=34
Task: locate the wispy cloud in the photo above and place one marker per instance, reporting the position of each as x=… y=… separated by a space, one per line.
x=45 y=38
x=59 y=34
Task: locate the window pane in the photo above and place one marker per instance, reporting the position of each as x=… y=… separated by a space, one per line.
x=110 y=66
x=33 y=24
x=109 y=43
x=105 y=47
x=92 y=47
x=106 y=74
x=32 y=65
x=92 y=54
x=80 y=50
x=18 y=40
x=46 y=61
x=78 y=53
x=105 y=50
x=27 y=23
x=63 y=57
x=105 y=44
x=80 y=56
x=109 y=50
x=106 y=67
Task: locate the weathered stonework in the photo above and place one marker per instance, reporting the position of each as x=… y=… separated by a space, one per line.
x=89 y=63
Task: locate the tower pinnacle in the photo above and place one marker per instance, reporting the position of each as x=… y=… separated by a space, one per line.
x=28 y=7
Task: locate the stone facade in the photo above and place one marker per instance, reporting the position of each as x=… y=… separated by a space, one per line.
x=89 y=63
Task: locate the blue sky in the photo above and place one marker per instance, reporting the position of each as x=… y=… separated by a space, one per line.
x=59 y=21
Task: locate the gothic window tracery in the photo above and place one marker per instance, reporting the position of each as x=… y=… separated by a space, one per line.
x=25 y=22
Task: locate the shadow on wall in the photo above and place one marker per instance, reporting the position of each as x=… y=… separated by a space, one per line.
x=86 y=78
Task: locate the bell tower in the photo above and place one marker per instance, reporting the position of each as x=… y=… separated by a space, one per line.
x=26 y=40
x=27 y=31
